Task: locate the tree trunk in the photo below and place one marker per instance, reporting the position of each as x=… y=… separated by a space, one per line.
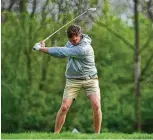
x=137 y=67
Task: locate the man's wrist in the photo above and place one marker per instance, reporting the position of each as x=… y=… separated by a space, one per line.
x=43 y=49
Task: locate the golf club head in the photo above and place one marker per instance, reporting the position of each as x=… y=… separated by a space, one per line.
x=92 y=9
x=89 y=11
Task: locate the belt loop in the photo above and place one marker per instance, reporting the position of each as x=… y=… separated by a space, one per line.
x=93 y=76
x=90 y=77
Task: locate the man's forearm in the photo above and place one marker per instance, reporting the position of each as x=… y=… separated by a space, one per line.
x=44 y=49
x=53 y=51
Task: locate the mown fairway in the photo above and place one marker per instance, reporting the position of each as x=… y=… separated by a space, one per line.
x=69 y=135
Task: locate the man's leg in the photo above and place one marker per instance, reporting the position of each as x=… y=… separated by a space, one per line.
x=97 y=113
x=61 y=115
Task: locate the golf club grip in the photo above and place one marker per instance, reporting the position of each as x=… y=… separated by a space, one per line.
x=46 y=39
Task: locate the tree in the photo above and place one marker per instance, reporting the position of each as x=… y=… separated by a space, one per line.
x=137 y=66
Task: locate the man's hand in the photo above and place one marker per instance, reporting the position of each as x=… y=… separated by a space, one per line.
x=40 y=47
x=37 y=46
x=42 y=43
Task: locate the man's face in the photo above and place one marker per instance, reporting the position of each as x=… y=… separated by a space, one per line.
x=75 y=39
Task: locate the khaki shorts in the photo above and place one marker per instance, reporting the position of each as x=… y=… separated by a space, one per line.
x=72 y=87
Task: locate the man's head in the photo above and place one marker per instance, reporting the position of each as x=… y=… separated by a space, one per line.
x=74 y=34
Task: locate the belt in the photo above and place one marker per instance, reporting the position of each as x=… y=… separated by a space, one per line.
x=86 y=78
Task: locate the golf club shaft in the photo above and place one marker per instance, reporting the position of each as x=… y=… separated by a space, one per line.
x=63 y=26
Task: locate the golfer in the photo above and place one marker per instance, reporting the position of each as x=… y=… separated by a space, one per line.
x=80 y=73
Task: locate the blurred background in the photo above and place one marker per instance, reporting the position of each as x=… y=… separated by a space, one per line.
x=33 y=82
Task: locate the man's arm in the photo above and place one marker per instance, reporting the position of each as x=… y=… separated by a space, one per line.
x=44 y=49
x=53 y=52
x=41 y=47
x=64 y=51
x=60 y=52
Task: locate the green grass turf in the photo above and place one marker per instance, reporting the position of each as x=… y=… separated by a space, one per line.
x=70 y=135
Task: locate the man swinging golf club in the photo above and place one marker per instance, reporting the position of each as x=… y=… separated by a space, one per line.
x=80 y=73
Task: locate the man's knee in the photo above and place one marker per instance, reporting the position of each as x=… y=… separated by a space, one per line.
x=96 y=107
x=64 y=109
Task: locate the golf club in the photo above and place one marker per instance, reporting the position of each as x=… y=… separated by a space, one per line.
x=89 y=10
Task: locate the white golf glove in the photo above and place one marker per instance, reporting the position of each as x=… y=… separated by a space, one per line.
x=37 y=46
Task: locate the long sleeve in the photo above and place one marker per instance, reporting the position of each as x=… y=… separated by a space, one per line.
x=61 y=52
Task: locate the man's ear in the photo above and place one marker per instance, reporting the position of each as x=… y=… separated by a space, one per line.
x=81 y=35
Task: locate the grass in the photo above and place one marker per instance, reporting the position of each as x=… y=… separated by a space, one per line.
x=70 y=135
